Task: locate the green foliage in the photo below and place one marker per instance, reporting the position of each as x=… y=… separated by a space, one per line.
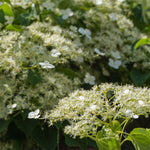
x=141 y=42
x=139 y=77
x=31 y=30
x=14 y=28
x=2 y=18
x=7 y=9
x=107 y=142
x=68 y=72
x=116 y=126
x=45 y=137
x=140 y=138
x=81 y=143
x=24 y=17
x=18 y=145
x=4 y=124
x=33 y=77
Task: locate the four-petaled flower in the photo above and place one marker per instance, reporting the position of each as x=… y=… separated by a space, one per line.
x=113 y=17
x=55 y=53
x=34 y=114
x=48 y=5
x=11 y=107
x=116 y=54
x=114 y=63
x=46 y=64
x=89 y=79
x=66 y=13
x=85 y=32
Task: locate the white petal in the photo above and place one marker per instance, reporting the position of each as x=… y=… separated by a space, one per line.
x=81 y=97
x=135 y=116
x=37 y=116
x=31 y=115
x=14 y=105
x=141 y=102
x=37 y=111
x=93 y=107
x=81 y=30
x=129 y=112
x=127 y=91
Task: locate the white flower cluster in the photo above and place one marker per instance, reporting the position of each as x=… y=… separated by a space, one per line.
x=87 y=110
x=102 y=36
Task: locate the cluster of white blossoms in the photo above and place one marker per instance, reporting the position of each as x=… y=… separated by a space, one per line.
x=63 y=39
x=88 y=110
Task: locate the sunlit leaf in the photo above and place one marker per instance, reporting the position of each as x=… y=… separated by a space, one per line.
x=140 y=138
x=142 y=42
x=105 y=142
x=7 y=9
x=14 y=28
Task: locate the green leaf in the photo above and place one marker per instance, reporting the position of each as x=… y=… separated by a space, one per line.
x=27 y=126
x=105 y=142
x=2 y=16
x=18 y=145
x=140 y=138
x=70 y=73
x=141 y=42
x=33 y=77
x=8 y=1
x=46 y=139
x=4 y=124
x=81 y=143
x=65 y=4
x=14 y=28
x=139 y=77
x=147 y=55
x=7 y=9
x=24 y=17
x=116 y=126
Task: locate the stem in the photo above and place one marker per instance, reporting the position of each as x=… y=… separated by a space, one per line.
x=58 y=139
x=102 y=122
x=124 y=141
x=91 y=137
x=144 y=4
x=126 y=121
